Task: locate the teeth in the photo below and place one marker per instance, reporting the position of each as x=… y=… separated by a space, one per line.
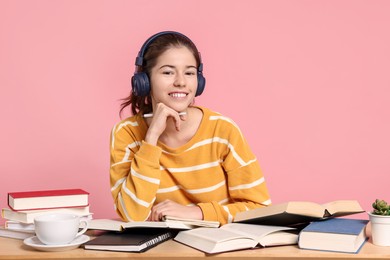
x=178 y=95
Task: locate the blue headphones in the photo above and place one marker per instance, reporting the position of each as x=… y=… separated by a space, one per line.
x=140 y=81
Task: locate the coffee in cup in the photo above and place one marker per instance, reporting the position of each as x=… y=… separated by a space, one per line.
x=58 y=228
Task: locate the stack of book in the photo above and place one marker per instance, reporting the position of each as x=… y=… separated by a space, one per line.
x=23 y=207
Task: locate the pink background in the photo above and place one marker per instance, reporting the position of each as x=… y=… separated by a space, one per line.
x=307 y=81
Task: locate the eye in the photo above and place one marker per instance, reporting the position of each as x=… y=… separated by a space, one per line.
x=190 y=73
x=167 y=72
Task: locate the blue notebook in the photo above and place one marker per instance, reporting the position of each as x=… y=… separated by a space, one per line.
x=335 y=234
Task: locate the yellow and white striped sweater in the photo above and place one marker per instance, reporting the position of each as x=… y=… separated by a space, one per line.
x=215 y=170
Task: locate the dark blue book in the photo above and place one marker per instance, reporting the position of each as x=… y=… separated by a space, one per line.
x=335 y=234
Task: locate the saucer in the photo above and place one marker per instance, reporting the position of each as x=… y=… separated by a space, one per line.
x=37 y=244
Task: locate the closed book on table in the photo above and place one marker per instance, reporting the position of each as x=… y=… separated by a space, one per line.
x=46 y=199
x=27 y=216
x=17 y=234
x=136 y=240
x=19 y=226
x=337 y=234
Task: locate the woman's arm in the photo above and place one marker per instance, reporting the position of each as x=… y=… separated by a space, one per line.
x=134 y=172
x=247 y=190
x=245 y=181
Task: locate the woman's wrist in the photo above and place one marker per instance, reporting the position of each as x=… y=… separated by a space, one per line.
x=151 y=138
x=196 y=213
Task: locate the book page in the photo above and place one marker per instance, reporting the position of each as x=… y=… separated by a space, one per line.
x=118 y=225
x=306 y=208
x=282 y=214
x=256 y=232
x=214 y=240
x=216 y=235
x=153 y=224
x=106 y=224
x=280 y=238
x=343 y=207
x=191 y=222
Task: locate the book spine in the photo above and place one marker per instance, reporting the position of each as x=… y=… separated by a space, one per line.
x=157 y=240
x=46 y=193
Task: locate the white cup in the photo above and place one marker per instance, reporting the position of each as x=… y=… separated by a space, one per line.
x=58 y=228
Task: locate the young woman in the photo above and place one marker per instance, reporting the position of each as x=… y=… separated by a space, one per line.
x=175 y=158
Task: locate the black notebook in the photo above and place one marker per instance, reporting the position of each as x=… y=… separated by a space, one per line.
x=136 y=240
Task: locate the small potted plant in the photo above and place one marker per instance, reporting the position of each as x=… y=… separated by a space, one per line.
x=380 y=223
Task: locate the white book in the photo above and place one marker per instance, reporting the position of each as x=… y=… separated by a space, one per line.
x=27 y=216
x=17 y=234
x=236 y=236
x=19 y=226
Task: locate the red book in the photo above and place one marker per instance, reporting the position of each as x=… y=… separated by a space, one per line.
x=47 y=199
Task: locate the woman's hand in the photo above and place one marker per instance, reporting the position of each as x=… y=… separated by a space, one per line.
x=159 y=122
x=174 y=209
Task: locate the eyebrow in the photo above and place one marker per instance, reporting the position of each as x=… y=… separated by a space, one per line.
x=172 y=67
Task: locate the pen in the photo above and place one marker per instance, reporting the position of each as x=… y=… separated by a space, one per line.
x=151 y=115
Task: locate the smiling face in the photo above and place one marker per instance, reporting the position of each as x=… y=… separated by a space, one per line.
x=174 y=79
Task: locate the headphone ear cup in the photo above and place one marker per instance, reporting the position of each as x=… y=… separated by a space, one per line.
x=201 y=84
x=140 y=84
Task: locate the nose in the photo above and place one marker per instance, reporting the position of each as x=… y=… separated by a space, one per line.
x=180 y=80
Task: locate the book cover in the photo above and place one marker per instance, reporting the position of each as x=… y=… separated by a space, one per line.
x=45 y=199
x=237 y=236
x=336 y=234
x=298 y=212
x=136 y=240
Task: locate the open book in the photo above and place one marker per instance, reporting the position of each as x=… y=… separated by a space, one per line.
x=235 y=236
x=298 y=212
x=168 y=222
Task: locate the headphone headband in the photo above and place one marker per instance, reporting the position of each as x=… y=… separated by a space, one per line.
x=139 y=60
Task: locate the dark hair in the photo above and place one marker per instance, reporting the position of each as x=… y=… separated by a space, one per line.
x=156 y=48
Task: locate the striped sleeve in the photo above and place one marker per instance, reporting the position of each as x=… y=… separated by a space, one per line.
x=134 y=173
x=246 y=185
